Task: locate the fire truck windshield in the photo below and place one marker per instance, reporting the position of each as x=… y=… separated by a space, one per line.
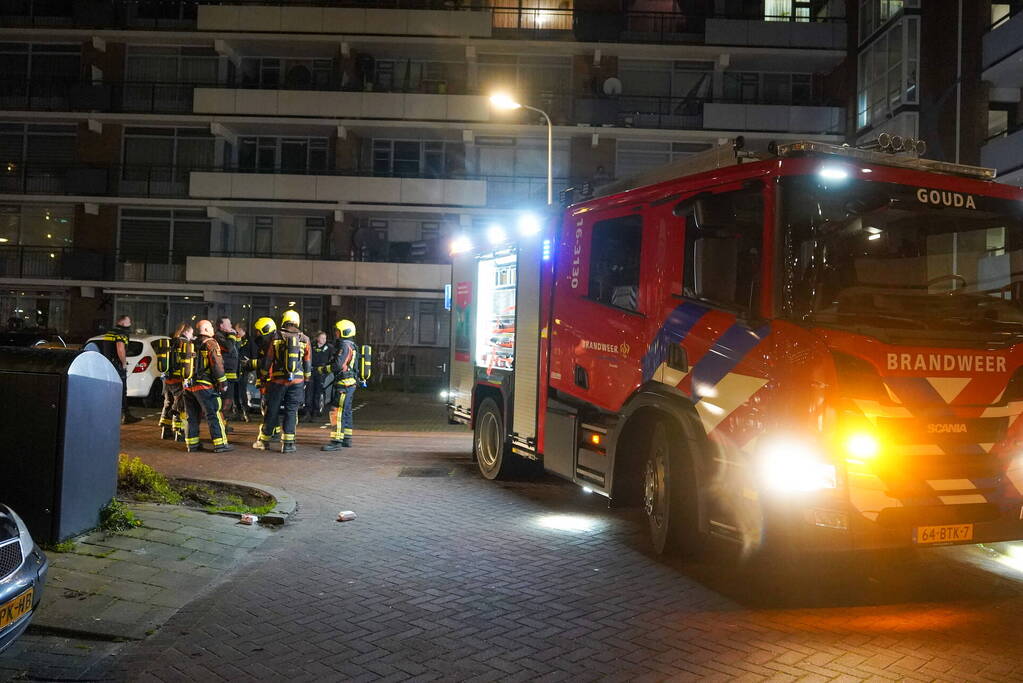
x=900 y=262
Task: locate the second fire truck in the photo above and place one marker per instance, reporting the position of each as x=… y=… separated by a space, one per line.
x=819 y=350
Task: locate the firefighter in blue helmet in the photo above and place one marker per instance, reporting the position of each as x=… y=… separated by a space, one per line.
x=345 y=373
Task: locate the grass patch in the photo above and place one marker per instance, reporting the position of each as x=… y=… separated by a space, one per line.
x=67 y=546
x=213 y=500
x=143 y=483
x=115 y=516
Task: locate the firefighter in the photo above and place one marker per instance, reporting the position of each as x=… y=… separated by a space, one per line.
x=344 y=368
x=316 y=384
x=287 y=361
x=203 y=391
x=252 y=361
x=173 y=418
x=241 y=387
x=227 y=339
x=113 y=345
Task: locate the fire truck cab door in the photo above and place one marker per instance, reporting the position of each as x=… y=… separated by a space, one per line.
x=598 y=321
x=716 y=317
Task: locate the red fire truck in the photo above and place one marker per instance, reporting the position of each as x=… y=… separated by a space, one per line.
x=817 y=349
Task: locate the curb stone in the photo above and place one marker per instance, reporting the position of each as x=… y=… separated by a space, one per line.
x=286 y=503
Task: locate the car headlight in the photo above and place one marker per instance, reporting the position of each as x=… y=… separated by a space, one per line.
x=24 y=537
x=793 y=466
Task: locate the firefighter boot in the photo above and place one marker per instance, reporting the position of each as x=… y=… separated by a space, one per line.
x=288 y=447
x=331 y=446
x=167 y=433
x=259 y=445
x=129 y=419
x=346 y=442
x=223 y=448
x=197 y=448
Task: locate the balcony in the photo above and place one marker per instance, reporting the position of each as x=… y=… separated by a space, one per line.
x=756 y=32
x=774 y=118
x=1005 y=154
x=368 y=105
x=346 y=20
x=1003 y=53
x=98 y=181
x=436 y=18
x=411 y=277
x=337 y=188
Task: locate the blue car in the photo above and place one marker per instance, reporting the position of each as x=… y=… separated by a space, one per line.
x=22 y=575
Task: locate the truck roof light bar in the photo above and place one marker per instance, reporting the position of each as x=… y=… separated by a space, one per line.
x=802 y=147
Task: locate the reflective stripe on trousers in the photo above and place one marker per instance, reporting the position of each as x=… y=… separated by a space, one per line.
x=345 y=390
x=198 y=400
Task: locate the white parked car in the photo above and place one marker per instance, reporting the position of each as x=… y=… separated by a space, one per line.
x=143 y=378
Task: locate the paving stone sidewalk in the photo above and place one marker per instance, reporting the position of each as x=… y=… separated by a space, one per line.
x=123 y=586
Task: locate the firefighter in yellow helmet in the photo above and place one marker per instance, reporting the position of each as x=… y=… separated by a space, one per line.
x=252 y=358
x=345 y=381
x=287 y=362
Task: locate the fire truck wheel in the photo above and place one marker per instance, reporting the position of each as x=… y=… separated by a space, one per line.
x=490 y=442
x=669 y=495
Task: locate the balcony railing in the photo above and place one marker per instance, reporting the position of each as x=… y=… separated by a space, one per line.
x=629 y=111
x=167 y=181
x=163 y=265
x=526 y=22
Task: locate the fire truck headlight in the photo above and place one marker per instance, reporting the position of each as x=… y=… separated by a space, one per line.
x=792 y=466
x=861 y=446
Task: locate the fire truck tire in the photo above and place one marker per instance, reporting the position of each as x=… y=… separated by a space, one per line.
x=490 y=442
x=669 y=494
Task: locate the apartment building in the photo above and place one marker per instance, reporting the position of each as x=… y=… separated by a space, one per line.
x=176 y=159
x=1002 y=61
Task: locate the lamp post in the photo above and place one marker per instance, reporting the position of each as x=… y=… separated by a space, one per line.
x=505 y=102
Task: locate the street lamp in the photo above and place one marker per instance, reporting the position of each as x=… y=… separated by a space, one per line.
x=505 y=102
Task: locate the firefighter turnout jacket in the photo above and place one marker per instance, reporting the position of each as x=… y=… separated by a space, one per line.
x=230 y=351
x=209 y=370
x=344 y=362
x=287 y=359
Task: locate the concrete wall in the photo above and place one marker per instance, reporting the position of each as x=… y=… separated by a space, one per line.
x=282 y=186
x=298 y=272
x=1004 y=153
x=366 y=105
x=344 y=20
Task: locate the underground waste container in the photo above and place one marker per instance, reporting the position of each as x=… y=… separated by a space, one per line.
x=60 y=421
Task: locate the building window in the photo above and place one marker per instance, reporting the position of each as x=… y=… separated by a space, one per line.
x=635 y=156
x=614 y=261
x=51 y=68
x=874 y=14
x=414 y=158
x=887 y=72
x=286 y=74
x=154 y=244
x=546 y=15
x=35 y=158
x=287 y=155
x=531 y=74
x=722 y=249
x=163 y=78
x=157 y=161
x=786 y=10
x=315 y=232
x=412 y=75
x=23 y=309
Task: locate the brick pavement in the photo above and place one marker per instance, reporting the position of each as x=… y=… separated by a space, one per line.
x=453 y=577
